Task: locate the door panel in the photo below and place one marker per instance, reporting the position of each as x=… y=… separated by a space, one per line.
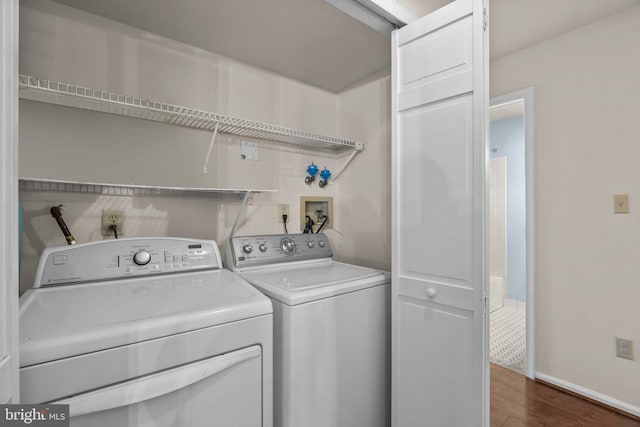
x=438 y=143
x=437 y=65
x=437 y=19
x=434 y=397
x=447 y=49
x=439 y=356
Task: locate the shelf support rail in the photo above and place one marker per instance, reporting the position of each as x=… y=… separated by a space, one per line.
x=359 y=148
x=245 y=199
x=213 y=138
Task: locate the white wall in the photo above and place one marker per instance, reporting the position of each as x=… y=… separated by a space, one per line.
x=507 y=137
x=365 y=188
x=67 y=45
x=587 y=259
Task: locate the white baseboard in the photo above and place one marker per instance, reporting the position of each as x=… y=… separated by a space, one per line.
x=594 y=395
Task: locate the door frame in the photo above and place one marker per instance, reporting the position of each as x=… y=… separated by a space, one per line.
x=527 y=96
x=9 y=364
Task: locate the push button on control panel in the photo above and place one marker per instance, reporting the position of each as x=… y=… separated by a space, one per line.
x=288 y=246
x=142 y=257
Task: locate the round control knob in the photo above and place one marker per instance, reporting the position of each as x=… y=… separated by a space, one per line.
x=288 y=246
x=247 y=249
x=322 y=243
x=431 y=293
x=142 y=257
x=262 y=247
x=311 y=243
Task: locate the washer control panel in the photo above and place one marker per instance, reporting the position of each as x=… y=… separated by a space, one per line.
x=251 y=251
x=113 y=259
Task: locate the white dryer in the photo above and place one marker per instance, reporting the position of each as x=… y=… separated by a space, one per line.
x=331 y=330
x=146 y=332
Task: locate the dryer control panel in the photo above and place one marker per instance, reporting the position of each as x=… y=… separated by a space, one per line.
x=252 y=251
x=114 y=259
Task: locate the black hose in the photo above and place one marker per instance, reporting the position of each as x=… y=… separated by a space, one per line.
x=326 y=218
x=56 y=212
x=308 y=228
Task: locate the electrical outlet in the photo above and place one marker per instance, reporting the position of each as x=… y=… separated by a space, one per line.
x=110 y=218
x=283 y=209
x=620 y=203
x=624 y=348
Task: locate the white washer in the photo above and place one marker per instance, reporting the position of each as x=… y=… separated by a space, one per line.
x=146 y=332
x=331 y=330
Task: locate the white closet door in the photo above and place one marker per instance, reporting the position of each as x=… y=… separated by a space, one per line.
x=9 y=201
x=439 y=327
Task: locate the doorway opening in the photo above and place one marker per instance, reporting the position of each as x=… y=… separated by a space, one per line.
x=511 y=281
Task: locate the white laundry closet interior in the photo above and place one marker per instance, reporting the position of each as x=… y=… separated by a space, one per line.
x=63 y=44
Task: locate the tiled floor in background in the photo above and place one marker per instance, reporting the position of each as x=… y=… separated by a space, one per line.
x=508 y=342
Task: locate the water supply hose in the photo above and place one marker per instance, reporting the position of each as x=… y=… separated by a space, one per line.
x=326 y=218
x=308 y=226
x=56 y=212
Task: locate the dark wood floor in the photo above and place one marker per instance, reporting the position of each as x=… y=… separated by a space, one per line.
x=519 y=401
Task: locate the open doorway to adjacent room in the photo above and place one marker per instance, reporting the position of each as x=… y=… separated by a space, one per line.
x=510 y=180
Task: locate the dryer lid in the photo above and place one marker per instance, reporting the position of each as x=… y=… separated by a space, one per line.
x=300 y=283
x=65 y=321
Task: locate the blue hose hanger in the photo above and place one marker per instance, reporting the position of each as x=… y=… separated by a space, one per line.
x=312 y=170
x=325 y=174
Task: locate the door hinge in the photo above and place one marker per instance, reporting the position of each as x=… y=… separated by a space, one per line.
x=485 y=301
x=485 y=19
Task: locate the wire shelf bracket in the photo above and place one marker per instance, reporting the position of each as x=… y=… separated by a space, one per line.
x=213 y=139
x=359 y=148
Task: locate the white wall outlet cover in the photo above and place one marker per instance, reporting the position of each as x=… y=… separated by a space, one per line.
x=110 y=218
x=621 y=203
x=250 y=151
x=624 y=348
x=283 y=209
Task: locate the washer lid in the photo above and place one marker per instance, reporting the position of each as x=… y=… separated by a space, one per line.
x=65 y=321
x=299 y=283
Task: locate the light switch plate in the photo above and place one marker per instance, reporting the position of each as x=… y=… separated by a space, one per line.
x=620 y=203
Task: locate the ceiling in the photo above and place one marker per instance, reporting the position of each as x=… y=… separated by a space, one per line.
x=308 y=40
x=517 y=24
x=314 y=42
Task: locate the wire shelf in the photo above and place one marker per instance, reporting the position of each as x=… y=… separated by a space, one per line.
x=70 y=95
x=47 y=185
